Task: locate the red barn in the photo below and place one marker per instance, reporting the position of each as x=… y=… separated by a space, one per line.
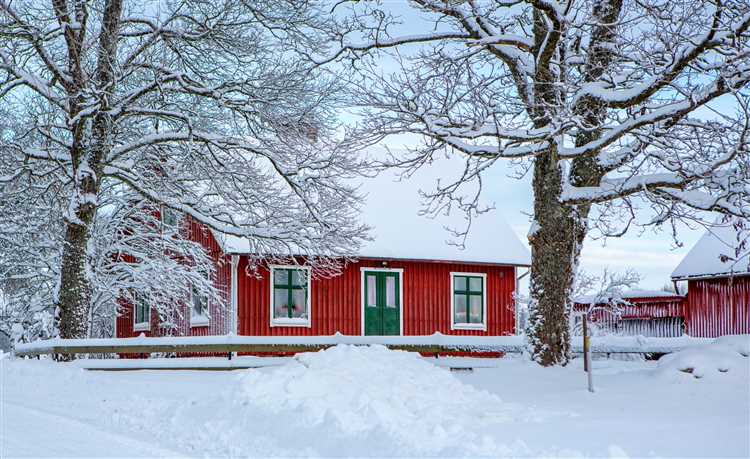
x=718 y=278
x=644 y=312
x=403 y=283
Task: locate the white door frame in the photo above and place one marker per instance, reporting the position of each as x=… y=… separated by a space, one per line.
x=400 y=272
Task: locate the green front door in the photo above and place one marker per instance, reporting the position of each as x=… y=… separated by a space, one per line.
x=382 y=303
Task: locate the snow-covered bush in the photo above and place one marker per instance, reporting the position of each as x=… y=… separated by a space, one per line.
x=708 y=360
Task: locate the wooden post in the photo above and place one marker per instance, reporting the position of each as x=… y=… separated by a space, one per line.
x=587 y=355
x=585 y=344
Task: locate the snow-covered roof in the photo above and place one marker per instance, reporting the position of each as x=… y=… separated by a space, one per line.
x=629 y=294
x=704 y=259
x=391 y=209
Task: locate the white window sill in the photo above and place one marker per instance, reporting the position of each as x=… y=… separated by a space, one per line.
x=145 y=326
x=481 y=327
x=199 y=321
x=290 y=323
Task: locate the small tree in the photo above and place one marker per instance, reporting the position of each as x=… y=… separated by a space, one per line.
x=602 y=295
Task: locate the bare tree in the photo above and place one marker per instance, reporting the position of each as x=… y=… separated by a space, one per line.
x=615 y=107
x=195 y=106
x=602 y=295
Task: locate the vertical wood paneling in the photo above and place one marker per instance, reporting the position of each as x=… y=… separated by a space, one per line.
x=336 y=301
x=646 y=316
x=719 y=306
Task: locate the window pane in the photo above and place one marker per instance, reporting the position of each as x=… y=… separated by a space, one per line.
x=299 y=277
x=141 y=309
x=475 y=284
x=299 y=302
x=459 y=308
x=371 y=292
x=390 y=292
x=280 y=276
x=197 y=305
x=459 y=283
x=280 y=298
x=475 y=309
x=199 y=302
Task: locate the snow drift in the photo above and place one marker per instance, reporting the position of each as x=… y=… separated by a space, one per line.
x=357 y=389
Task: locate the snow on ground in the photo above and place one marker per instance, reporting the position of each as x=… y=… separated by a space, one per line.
x=368 y=401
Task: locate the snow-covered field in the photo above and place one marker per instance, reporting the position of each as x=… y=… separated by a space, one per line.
x=369 y=401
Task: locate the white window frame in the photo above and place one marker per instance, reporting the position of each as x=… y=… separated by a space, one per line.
x=363 y=300
x=296 y=321
x=202 y=320
x=141 y=326
x=469 y=326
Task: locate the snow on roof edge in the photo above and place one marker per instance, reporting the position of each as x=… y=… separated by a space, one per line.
x=703 y=259
x=228 y=249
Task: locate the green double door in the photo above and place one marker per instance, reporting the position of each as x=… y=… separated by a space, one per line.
x=382 y=303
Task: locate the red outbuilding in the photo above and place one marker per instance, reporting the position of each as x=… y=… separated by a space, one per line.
x=718 y=278
x=402 y=283
x=650 y=313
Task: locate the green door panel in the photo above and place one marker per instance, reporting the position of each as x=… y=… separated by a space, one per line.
x=382 y=306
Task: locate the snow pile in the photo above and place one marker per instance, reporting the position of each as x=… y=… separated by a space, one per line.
x=707 y=360
x=366 y=391
x=738 y=343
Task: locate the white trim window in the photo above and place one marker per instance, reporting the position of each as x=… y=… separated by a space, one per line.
x=468 y=301
x=199 y=312
x=290 y=296
x=141 y=313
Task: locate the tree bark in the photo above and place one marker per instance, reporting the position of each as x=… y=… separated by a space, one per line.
x=555 y=241
x=74 y=298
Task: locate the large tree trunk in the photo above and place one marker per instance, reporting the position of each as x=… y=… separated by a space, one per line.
x=559 y=230
x=74 y=298
x=555 y=241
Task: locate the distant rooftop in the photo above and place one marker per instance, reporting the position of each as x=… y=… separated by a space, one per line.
x=630 y=294
x=704 y=259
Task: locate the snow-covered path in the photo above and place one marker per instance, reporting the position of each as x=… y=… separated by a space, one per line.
x=372 y=402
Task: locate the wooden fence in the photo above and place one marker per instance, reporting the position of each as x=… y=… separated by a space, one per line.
x=428 y=344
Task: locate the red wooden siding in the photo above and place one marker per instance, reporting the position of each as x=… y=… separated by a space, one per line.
x=221 y=315
x=719 y=306
x=648 y=307
x=336 y=302
x=646 y=316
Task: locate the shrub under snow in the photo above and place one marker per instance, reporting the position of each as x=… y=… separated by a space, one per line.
x=724 y=355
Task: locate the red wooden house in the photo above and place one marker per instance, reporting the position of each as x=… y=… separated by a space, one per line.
x=404 y=283
x=718 y=298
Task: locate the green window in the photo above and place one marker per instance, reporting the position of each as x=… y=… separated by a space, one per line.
x=290 y=290
x=142 y=310
x=468 y=299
